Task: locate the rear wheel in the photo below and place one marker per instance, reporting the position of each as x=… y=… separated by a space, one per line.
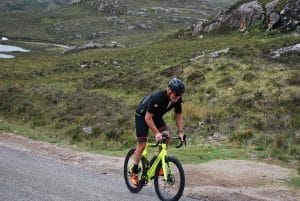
x=129 y=159
x=172 y=188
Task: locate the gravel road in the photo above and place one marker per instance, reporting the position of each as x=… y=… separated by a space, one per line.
x=32 y=170
x=25 y=176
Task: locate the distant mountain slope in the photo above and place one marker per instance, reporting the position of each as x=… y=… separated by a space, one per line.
x=35 y=4
x=31 y=4
x=81 y=21
x=25 y=4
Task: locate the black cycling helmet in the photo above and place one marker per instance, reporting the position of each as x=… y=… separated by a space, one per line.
x=177 y=86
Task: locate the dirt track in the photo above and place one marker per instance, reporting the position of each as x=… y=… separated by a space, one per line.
x=224 y=180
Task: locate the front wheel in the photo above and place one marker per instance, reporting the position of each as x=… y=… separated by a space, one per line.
x=172 y=188
x=128 y=163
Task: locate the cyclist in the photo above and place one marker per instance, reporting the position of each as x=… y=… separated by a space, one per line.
x=149 y=114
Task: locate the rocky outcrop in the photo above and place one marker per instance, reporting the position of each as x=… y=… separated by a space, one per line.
x=254 y=12
x=113 y=44
x=67 y=2
x=239 y=18
x=116 y=7
x=279 y=52
x=290 y=15
x=274 y=17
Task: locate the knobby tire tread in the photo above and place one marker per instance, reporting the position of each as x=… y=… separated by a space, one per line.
x=131 y=188
x=176 y=162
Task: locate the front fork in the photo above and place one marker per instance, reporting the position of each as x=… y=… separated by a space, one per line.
x=163 y=154
x=150 y=171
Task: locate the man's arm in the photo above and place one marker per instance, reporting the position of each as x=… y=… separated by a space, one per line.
x=151 y=125
x=179 y=124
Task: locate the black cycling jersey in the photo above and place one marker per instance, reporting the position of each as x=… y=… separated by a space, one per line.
x=158 y=104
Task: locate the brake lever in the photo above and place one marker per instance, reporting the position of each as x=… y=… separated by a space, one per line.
x=164 y=138
x=181 y=141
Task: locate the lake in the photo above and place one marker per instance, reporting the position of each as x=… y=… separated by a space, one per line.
x=10 y=48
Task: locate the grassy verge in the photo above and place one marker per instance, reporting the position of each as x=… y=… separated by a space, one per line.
x=191 y=154
x=294 y=182
x=21 y=129
x=205 y=153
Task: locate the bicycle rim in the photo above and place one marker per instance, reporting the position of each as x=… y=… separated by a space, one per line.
x=128 y=163
x=172 y=189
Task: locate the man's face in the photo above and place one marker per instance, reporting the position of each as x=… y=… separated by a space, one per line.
x=174 y=97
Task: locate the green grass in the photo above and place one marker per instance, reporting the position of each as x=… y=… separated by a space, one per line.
x=244 y=95
x=196 y=154
x=24 y=129
x=294 y=182
x=83 y=22
x=191 y=154
x=205 y=153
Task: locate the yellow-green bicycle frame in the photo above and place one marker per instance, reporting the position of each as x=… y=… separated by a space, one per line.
x=167 y=185
x=161 y=157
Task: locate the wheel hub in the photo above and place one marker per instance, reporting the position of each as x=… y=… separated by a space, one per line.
x=171 y=179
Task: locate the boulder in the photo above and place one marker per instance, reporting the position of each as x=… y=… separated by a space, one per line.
x=290 y=15
x=113 y=44
x=240 y=18
x=279 y=52
x=272 y=14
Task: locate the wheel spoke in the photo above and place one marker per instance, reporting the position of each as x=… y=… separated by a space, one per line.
x=172 y=188
x=128 y=164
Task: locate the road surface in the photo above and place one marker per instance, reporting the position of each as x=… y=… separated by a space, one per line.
x=34 y=170
x=25 y=176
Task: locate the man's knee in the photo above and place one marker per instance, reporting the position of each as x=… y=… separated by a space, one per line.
x=141 y=145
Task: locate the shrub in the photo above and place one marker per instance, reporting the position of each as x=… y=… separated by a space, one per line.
x=294 y=79
x=259 y=124
x=243 y=136
x=196 y=77
x=248 y=77
x=244 y=102
x=227 y=81
x=75 y=135
x=211 y=91
x=280 y=141
x=193 y=112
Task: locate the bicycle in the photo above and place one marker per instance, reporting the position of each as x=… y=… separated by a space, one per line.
x=169 y=182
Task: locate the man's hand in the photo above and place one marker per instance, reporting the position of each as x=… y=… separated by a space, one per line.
x=158 y=137
x=182 y=136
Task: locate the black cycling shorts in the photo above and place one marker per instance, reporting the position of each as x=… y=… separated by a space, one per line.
x=142 y=128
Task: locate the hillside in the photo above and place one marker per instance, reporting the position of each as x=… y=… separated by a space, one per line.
x=128 y=22
x=241 y=102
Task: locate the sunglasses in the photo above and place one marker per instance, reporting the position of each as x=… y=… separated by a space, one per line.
x=177 y=94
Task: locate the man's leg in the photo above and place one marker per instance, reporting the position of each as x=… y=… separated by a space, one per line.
x=141 y=134
x=138 y=152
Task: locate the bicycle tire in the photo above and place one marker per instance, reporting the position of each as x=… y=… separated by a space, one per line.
x=171 y=192
x=127 y=164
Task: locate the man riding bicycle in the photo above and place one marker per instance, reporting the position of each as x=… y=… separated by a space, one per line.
x=149 y=114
